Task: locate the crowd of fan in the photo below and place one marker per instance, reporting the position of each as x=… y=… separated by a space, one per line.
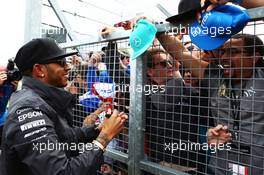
x=109 y=66
x=192 y=106
x=205 y=97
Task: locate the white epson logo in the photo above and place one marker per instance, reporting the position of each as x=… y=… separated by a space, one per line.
x=29 y=115
x=32 y=124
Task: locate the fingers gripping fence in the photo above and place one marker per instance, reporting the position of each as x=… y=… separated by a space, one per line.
x=210 y=123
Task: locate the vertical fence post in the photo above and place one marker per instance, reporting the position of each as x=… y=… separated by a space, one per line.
x=136 y=117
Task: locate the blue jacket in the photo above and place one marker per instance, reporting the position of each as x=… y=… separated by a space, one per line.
x=92 y=102
x=92 y=77
x=5 y=92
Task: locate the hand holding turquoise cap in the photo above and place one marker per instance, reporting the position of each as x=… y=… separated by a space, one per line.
x=142 y=37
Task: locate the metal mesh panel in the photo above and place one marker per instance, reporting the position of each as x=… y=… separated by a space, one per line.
x=105 y=63
x=185 y=96
x=221 y=87
x=172 y=131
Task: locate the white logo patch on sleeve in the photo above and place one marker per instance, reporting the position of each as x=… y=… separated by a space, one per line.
x=30 y=114
x=32 y=124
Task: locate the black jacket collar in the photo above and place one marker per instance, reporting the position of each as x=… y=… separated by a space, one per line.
x=59 y=99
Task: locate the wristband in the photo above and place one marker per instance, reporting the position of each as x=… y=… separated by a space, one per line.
x=95 y=142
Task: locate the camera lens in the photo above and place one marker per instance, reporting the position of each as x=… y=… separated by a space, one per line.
x=13 y=75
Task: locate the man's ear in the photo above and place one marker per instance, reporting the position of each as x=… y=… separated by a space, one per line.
x=38 y=70
x=257 y=57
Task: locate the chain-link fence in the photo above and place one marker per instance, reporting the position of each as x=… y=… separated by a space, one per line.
x=191 y=111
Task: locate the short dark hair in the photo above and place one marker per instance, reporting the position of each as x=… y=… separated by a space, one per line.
x=148 y=55
x=252 y=43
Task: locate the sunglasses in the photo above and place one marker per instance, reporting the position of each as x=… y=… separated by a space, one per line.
x=61 y=62
x=164 y=63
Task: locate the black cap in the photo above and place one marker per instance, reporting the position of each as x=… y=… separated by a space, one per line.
x=40 y=50
x=186 y=11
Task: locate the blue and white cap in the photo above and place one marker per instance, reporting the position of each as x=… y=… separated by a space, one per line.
x=217 y=26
